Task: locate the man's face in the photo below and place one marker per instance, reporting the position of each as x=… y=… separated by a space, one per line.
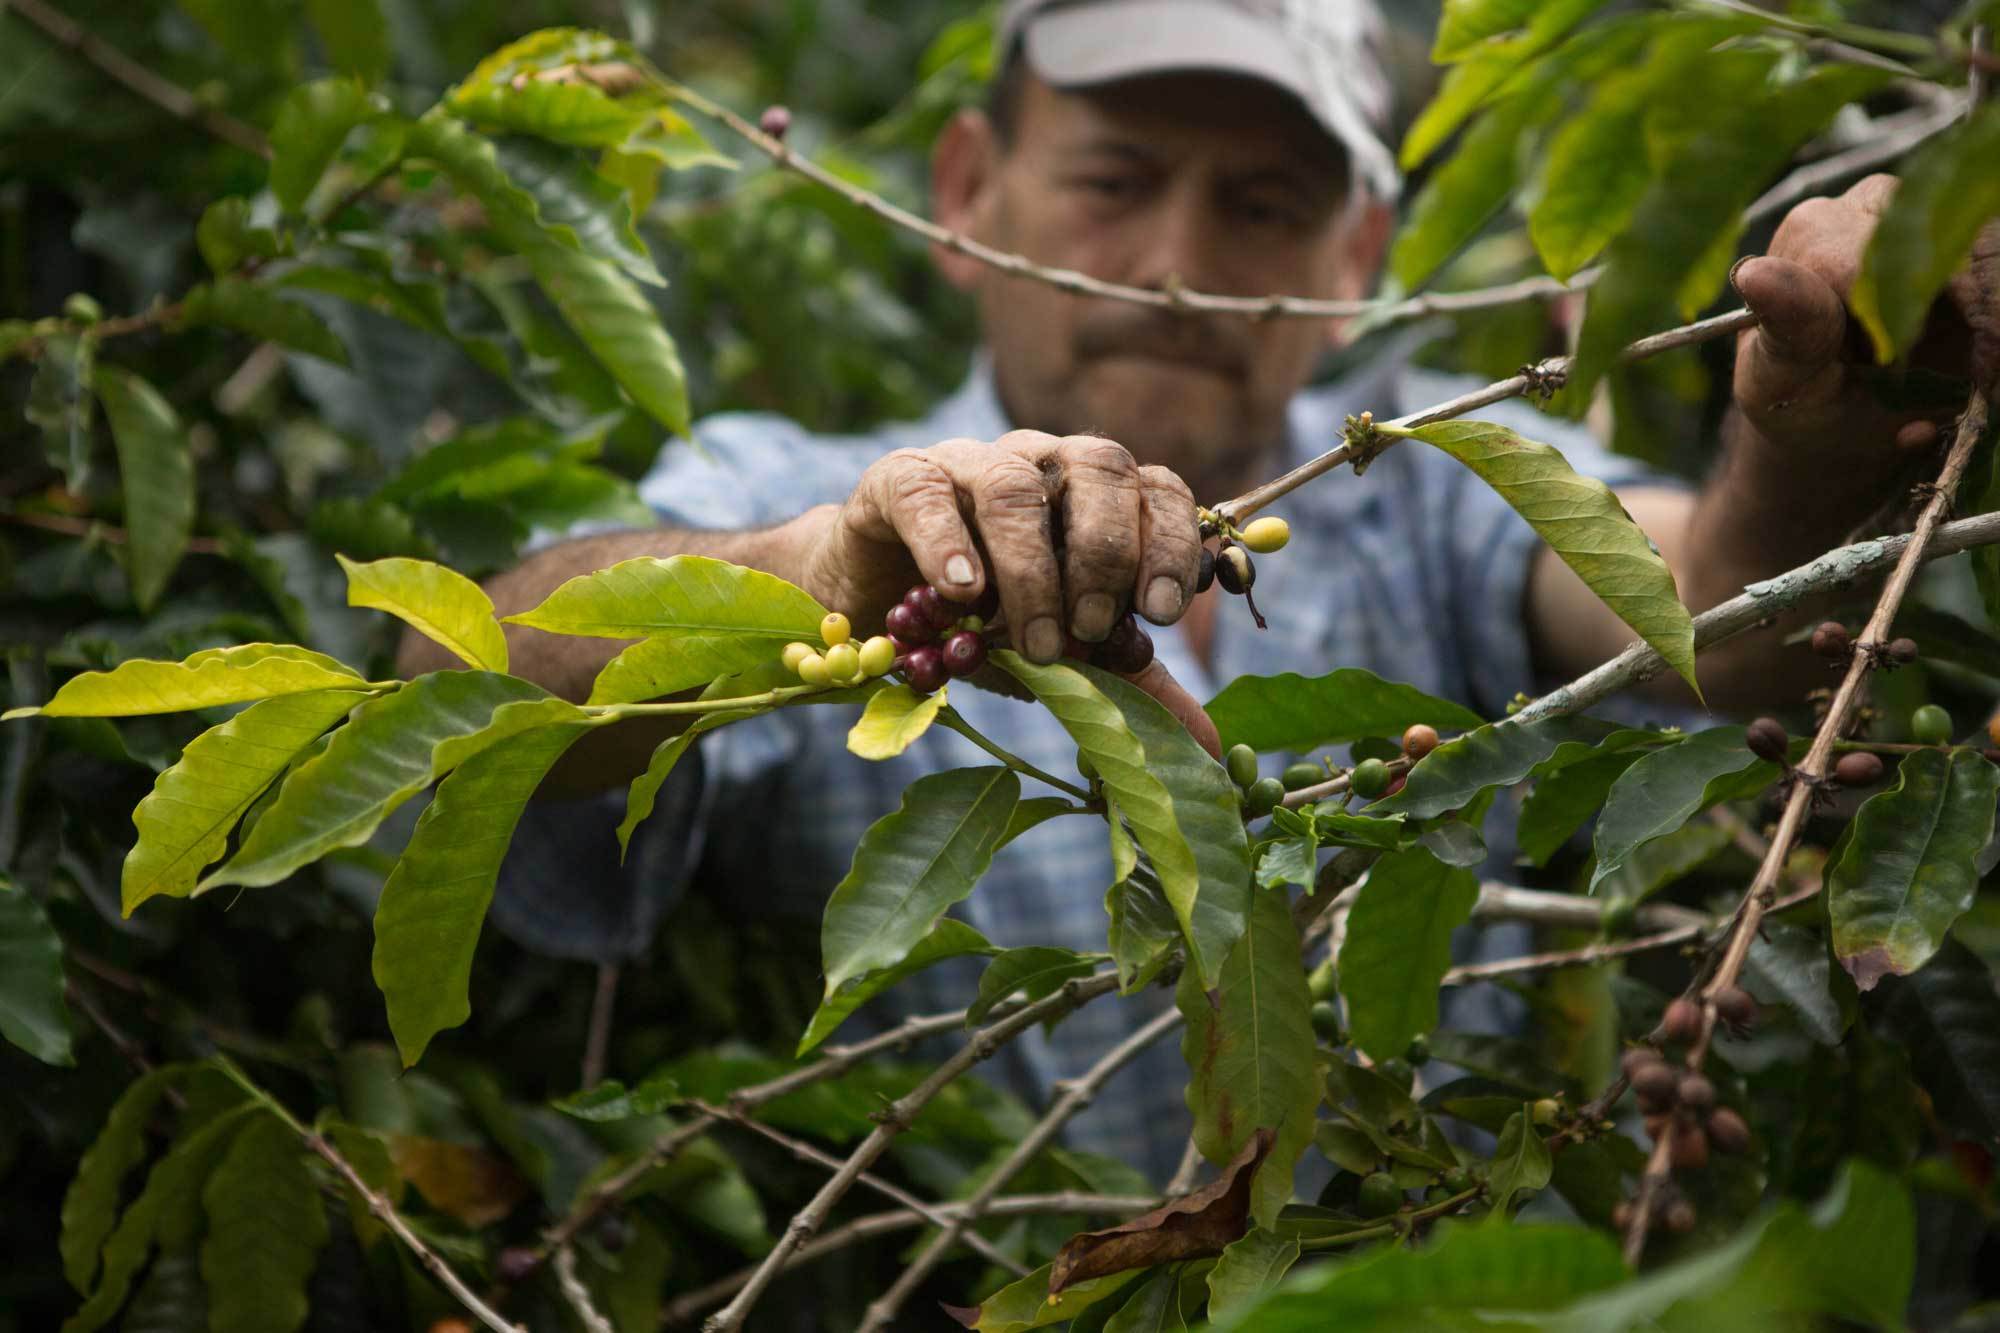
x=1222 y=184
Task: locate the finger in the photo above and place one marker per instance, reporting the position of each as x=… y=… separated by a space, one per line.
x=1794 y=353
x=916 y=498
x=1012 y=498
x=1100 y=494
x=1157 y=681
x=1170 y=545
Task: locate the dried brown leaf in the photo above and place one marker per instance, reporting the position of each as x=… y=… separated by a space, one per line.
x=475 y=1187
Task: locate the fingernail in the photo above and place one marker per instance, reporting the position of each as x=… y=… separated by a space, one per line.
x=1735 y=269
x=1163 y=599
x=1094 y=614
x=1044 y=639
x=958 y=570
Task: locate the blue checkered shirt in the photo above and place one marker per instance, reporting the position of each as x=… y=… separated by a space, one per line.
x=1417 y=572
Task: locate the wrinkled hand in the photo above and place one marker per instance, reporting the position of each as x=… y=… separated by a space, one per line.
x=1069 y=530
x=1806 y=374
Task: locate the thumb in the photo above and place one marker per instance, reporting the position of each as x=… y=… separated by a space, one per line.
x=1801 y=330
x=1157 y=681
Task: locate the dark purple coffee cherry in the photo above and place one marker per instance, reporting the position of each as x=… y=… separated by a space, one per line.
x=1858 y=768
x=1655 y=1082
x=1127 y=649
x=1696 y=1092
x=1736 y=1008
x=1690 y=1151
x=1638 y=1058
x=1767 y=740
x=1206 y=575
x=1902 y=652
x=1727 y=1131
x=963 y=653
x=929 y=603
x=925 y=671
x=907 y=625
x=1682 y=1021
x=1830 y=640
x=775 y=121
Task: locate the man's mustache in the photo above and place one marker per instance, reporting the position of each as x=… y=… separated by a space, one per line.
x=1199 y=341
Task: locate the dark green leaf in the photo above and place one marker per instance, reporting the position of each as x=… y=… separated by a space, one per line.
x=91 y=1206
x=1521 y=1162
x=912 y=865
x=227 y=237
x=569 y=85
x=1398 y=948
x=1667 y=787
x=155 y=475
x=567 y=193
x=355 y=34
x=1948 y=1015
x=612 y=1100
x=1033 y=971
x=265 y=1229
x=1907 y=874
x=1297 y=713
x=1948 y=192
x=1663 y=861
x=31 y=978
x=1564 y=801
x=1336 y=828
x=258 y=310
x=1026 y=1304
x=60 y=402
x=312 y=124
x=1248 y=1270
x=1288 y=861
x=1790 y=966
x=428 y=918
x=1496 y=755
x=947 y=939
x=1143 y=930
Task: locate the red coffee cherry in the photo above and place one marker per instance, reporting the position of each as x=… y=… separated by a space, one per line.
x=907 y=625
x=1858 y=768
x=1127 y=649
x=1638 y=1058
x=964 y=653
x=775 y=121
x=925 y=671
x=1656 y=1083
x=1767 y=740
x=1419 y=740
x=931 y=604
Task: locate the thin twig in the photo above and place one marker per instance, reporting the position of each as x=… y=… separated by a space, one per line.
x=162 y=92
x=1468 y=973
x=894 y=1193
x=1807 y=777
x=1074 y=1096
x=577 y=1294
x=894 y=1121
x=685 y=1307
x=71 y=525
x=1188 y=1171
x=597 y=1038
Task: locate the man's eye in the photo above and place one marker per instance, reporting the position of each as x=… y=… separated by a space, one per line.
x=1110 y=187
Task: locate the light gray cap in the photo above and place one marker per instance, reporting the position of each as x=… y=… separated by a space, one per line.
x=1323 y=52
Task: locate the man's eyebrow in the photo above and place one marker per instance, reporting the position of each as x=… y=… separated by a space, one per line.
x=1105 y=146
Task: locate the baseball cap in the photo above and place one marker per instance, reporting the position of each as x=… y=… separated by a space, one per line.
x=1322 y=52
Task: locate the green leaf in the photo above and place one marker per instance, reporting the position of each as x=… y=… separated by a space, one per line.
x=569 y=85
x=184 y=822
x=1562 y=801
x=1948 y=1016
x=1026 y=1303
x=1472 y=184
x=1496 y=755
x=912 y=865
x=60 y=402
x=90 y=1206
x=1033 y=971
x=1143 y=930
x=1521 y=1161
x=155 y=475
x=645 y=788
x=1665 y=860
x=226 y=236
x=312 y=123
x=1667 y=787
x=266 y=1226
x=208 y=678
x=1153 y=1307
x=419 y=305
x=1948 y=192
x=258 y=310
x=1791 y=966
x=1181 y=804
x=947 y=939
x=1398 y=947
x=171 y=1299
x=1481 y=70
x=441 y=603
x=1908 y=873
x=1251 y=1053
x=892 y=721
x=1466 y=1277
x=355 y=35
x=611 y=1101
x=1297 y=713
x=31 y=978
x=567 y=193
x=391 y=749
x=1249 y=1270
x=1289 y=861
x=1466 y=24
x=428 y=918
x=1583 y=522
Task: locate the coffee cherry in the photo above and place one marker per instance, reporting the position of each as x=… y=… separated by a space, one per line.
x=1735 y=1007
x=515 y=1263
x=1858 y=768
x=1265 y=535
x=1831 y=641
x=1696 y=1092
x=1656 y=1083
x=1418 y=1052
x=843 y=661
x=1902 y=652
x=1395 y=785
x=1678 y=1217
x=1458 y=1180
x=1326 y=1020
x=1242 y=764
x=82 y=308
x=1235 y=570
x=796 y=653
x=1369 y=779
x=1656 y=1123
x=775 y=121
x=931 y=604
x=1727 y=1131
x=1263 y=797
x=1206 y=574
x=1767 y=740
x=964 y=653
x=1302 y=774
x=1993 y=729
x=908 y=624
x=1931 y=725
x=1682 y=1021
x=1637 y=1059
x=450 y=1324
x=878 y=655
x=1128 y=649
x=1378 y=1196
x=925 y=670
x=814 y=671
x=1419 y=740
x=977 y=624
x=1547 y=1111
x=835 y=630
x=1690 y=1152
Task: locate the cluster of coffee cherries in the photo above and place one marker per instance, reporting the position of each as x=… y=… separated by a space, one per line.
x=1230 y=564
x=933 y=639
x=1370 y=779
x=1831 y=640
x=1767 y=739
x=843 y=661
x=1684 y=1101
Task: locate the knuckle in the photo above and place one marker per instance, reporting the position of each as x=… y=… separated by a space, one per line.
x=1011 y=485
x=1106 y=459
x=1026 y=441
x=1165 y=484
x=916 y=480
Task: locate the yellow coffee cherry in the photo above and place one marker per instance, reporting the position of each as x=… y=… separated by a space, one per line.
x=843 y=660
x=1265 y=535
x=878 y=655
x=812 y=670
x=796 y=653
x=835 y=629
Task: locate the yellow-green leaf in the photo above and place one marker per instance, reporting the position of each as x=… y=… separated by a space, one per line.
x=441 y=603
x=1584 y=524
x=208 y=678
x=156 y=477
x=892 y=721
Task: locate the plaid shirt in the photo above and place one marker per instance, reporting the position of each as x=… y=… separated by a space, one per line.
x=1417 y=572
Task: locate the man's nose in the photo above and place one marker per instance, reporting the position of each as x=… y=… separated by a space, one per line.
x=1182 y=245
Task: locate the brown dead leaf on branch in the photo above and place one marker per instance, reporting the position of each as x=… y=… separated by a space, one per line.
x=613 y=77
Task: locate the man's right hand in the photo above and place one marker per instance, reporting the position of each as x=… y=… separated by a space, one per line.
x=1070 y=531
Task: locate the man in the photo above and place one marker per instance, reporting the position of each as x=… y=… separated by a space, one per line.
x=1226 y=146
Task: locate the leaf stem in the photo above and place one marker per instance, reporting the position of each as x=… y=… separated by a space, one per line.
x=949 y=717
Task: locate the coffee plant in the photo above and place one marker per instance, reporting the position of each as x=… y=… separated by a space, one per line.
x=1760 y=1085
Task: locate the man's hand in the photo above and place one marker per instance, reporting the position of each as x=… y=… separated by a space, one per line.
x=1805 y=376
x=1070 y=531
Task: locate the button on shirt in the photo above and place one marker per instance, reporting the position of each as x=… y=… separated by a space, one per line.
x=1416 y=571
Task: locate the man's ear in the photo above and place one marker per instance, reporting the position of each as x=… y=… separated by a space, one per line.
x=1364 y=240
x=964 y=174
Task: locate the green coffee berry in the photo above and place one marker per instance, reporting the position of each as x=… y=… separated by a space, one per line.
x=1369 y=779
x=796 y=653
x=878 y=655
x=1264 y=796
x=843 y=660
x=1326 y=1020
x=1546 y=1111
x=1418 y=1053
x=1242 y=764
x=1931 y=725
x=1378 y=1196
x=813 y=670
x=1302 y=774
